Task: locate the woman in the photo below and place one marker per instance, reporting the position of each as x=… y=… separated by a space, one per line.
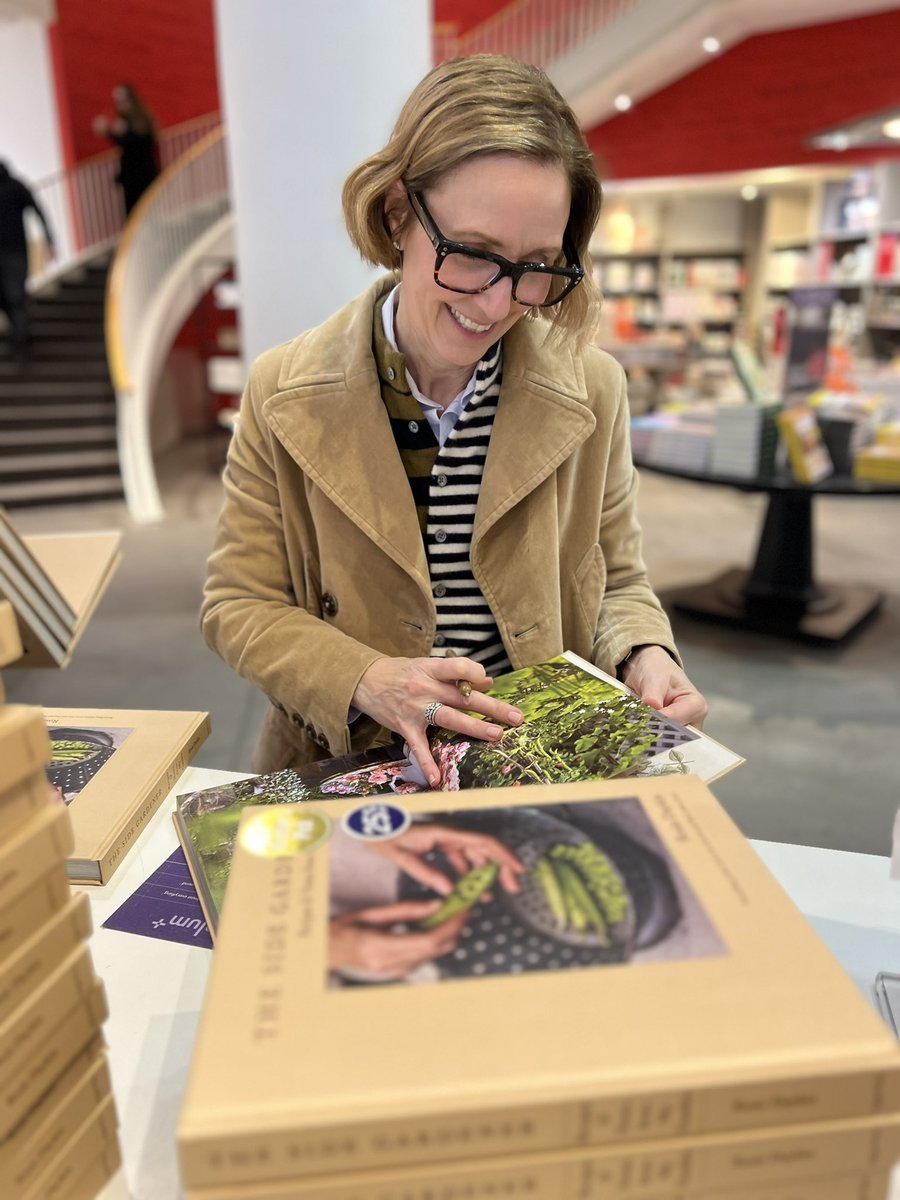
x=350 y=560
x=134 y=131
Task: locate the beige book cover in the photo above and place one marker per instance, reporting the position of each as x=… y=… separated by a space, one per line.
x=38 y=957
x=433 y=977
x=112 y=768
x=62 y=1175
x=24 y=743
x=77 y=1029
x=49 y=1126
x=24 y=915
x=32 y=850
x=10 y=642
x=81 y=566
x=23 y=801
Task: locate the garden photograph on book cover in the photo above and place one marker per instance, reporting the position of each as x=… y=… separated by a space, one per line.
x=505 y=891
x=77 y=754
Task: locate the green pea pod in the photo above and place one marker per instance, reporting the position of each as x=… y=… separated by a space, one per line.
x=467 y=892
x=578 y=901
x=546 y=878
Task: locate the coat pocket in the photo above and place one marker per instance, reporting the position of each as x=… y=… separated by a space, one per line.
x=590 y=587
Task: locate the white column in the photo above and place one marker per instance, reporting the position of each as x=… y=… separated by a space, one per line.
x=309 y=90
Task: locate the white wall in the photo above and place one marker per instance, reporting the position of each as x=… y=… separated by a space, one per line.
x=29 y=138
x=309 y=90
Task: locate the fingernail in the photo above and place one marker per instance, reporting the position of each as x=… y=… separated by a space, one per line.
x=495 y=732
x=515 y=716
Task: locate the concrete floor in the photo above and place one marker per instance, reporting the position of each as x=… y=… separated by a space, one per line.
x=817 y=725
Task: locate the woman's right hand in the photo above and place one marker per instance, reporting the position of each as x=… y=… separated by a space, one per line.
x=368 y=940
x=395 y=692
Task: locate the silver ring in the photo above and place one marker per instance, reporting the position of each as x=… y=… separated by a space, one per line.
x=431 y=713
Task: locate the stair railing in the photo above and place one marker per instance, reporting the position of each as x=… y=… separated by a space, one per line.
x=183 y=218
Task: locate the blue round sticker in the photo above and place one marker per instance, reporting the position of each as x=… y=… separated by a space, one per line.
x=376 y=821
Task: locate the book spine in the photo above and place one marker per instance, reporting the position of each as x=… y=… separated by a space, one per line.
x=10 y=642
x=32 y=628
x=61 y=1176
x=33 y=852
x=42 y=953
x=392 y=1145
x=173 y=771
x=23 y=801
x=50 y=1126
x=76 y=1030
x=24 y=1030
x=20 y=919
x=758 y=1166
x=24 y=744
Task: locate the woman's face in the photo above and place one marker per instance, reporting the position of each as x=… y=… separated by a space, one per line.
x=513 y=206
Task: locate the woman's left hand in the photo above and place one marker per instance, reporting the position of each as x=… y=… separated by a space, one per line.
x=654 y=676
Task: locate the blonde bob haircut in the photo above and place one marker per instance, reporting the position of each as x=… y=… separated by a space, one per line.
x=483 y=104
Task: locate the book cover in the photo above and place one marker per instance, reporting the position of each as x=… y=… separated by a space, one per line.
x=23 y=801
x=32 y=850
x=50 y=1124
x=14 y=549
x=807 y=454
x=62 y=1175
x=81 y=566
x=10 y=642
x=112 y=768
x=76 y=1030
x=39 y=956
x=436 y=977
x=21 y=917
x=24 y=743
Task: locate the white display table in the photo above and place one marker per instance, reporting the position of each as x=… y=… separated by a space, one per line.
x=155 y=988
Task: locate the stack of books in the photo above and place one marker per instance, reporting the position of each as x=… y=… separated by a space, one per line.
x=57 y=1117
x=745 y=441
x=54 y=582
x=584 y=990
x=677 y=441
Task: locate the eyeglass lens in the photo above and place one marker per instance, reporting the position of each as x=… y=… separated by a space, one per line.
x=465 y=273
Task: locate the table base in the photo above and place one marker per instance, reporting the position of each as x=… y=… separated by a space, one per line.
x=836 y=612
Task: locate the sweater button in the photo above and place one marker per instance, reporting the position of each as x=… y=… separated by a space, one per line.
x=442 y=480
x=439 y=639
x=440 y=535
x=440 y=589
x=329 y=605
x=413 y=427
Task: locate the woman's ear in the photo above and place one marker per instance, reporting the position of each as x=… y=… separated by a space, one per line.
x=396 y=212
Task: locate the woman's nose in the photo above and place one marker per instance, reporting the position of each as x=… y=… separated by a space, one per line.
x=496 y=302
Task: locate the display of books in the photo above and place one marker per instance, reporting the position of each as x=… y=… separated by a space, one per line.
x=579 y=723
x=54 y=582
x=594 y=986
x=112 y=768
x=809 y=459
x=745 y=440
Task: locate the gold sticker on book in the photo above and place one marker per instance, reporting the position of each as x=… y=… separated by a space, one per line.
x=283 y=834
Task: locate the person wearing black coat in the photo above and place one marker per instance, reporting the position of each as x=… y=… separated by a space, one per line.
x=15 y=199
x=133 y=130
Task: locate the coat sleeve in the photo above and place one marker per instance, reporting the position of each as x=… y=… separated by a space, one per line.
x=630 y=615
x=256 y=611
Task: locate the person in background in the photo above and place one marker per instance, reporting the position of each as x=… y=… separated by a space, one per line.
x=442 y=467
x=15 y=200
x=134 y=131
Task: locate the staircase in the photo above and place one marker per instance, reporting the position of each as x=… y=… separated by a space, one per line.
x=58 y=410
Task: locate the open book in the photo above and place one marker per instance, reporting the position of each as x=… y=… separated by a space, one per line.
x=54 y=582
x=579 y=724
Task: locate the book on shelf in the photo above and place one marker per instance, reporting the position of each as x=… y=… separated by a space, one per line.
x=807 y=454
x=112 y=768
x=603 y=965
x=579 y=723
x=54 y=582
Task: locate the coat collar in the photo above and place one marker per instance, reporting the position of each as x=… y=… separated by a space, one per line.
x=329 y=416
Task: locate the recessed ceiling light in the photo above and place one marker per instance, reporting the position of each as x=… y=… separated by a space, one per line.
x=622 y=102
x=712 y=45
x=891 y=128
x=840 y=141
x=749 y=192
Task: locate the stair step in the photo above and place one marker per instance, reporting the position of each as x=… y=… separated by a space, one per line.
x=49 y=368
x=24 y=416
x=33 y=493
x=43 y=391
x=67 y=328
x=46 y=351
x=16 y=439
x=63 y=461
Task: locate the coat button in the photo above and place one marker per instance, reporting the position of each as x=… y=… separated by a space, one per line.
x=329 y=605
x=391 y=373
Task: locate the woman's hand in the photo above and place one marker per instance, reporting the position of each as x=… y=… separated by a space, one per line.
x=362 y=940
x=462 y=848
x=396 y=692
x=100 y=126
x=654 y=676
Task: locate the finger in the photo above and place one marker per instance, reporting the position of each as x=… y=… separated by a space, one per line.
x=686 y=710
x=458 y=722
x=403 y=910
x=456 y=859
x=420 y=751
x=495 y=710
x=509 y=881
x=425 y=874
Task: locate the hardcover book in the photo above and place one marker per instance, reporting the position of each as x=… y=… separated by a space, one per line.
x=24 y=744
x=807 y=454
x=32 y=850
x=112 y=769
x=431 y=978
x=39 y=956
x=10 y=642
x=23 y=916
x=23 y=801
x=54 y=582
x=579 y=723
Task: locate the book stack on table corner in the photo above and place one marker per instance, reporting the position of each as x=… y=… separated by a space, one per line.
x=664 y=1026
x=58 y=1125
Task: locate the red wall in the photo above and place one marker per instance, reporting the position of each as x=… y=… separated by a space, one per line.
x=165 y=48
x=466 y=14
x=754 y=105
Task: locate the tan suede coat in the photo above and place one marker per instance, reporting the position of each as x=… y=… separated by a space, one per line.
x=319 y=566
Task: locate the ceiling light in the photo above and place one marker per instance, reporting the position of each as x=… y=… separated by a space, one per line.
x=622 y=102
x=891 y=128
x=712 y=45
x=839 y=141
x=749 y=192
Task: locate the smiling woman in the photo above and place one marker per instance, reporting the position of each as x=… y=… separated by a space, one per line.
x=436 y=484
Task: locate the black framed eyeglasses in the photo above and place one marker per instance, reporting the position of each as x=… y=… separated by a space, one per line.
x=461 y=268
